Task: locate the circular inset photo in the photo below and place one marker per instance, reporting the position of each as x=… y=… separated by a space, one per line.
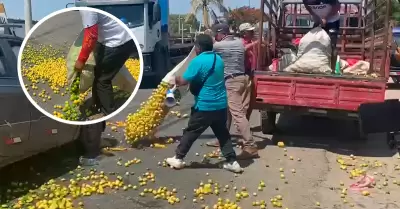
x=80 y=65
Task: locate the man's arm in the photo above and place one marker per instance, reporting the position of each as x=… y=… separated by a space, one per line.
x=190 y=74
x=180 y=81
x=312 y=13
x=251 y=45
x=90 y=36
x=335 y=8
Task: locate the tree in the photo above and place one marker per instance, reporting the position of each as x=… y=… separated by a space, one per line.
x=174 y=24
x=243 y=15
x=395 y=11
x=204 y=6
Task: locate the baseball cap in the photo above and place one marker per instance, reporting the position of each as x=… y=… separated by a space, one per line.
x=221 y=28
x=246 y=27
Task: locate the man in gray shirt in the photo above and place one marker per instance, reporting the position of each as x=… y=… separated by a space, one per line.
x=237 y=84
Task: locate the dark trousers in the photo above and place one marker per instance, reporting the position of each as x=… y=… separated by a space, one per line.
x=109 y=60
x=90 y=138
x=332 y=28
x=199 y=121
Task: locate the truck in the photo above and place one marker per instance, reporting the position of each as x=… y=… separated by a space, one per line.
x=24 y=130
x=148 y=20
x=363 y=35
x=394 y=63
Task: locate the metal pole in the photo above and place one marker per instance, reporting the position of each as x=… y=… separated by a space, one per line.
x=28 y=16
x=182 y=32
x=260 y=37
x=179 y=24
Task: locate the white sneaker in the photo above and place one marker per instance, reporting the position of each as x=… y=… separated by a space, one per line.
x=233 y=167
x=175 y=162
x=88 y=161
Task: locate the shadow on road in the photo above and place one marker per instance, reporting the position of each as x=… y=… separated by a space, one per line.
x=337 y=136
x=17 y=178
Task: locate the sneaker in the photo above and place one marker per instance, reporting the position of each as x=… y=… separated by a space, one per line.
x=233 y=167
x=88 y=161
x=175 y=162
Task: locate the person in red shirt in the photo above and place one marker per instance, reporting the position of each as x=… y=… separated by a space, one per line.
x=250 y=63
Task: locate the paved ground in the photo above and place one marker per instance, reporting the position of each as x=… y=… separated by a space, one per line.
x=317 y=142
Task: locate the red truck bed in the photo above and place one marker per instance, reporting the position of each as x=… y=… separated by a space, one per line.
x=316 y=92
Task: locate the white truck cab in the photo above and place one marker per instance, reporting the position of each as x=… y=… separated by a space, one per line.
x=143 y=17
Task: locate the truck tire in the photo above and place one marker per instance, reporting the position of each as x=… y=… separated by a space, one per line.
x=268 y=121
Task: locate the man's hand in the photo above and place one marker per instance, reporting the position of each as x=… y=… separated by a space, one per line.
x=79 y=66
x=180 y=81
x=323 y=22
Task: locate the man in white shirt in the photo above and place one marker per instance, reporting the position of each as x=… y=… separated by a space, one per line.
x=112 y=45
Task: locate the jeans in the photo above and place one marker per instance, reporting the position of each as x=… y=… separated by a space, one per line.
x=109 y=60
x=199 y=121
x=90 y=138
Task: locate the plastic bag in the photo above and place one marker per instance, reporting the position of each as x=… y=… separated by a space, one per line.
x=313 y=54
x=179 y=70
x=123 y=80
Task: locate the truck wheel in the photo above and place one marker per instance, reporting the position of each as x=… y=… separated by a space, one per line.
x=268 y=125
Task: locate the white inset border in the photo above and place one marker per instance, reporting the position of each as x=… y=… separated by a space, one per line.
x=107 y=117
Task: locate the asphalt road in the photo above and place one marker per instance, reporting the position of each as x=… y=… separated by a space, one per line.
x=317 y=142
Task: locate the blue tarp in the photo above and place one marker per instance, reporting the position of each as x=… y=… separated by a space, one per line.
x=164 y=4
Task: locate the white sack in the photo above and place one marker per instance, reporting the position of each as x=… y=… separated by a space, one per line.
x=179 y=70
x=313 y=54
x=360 y=68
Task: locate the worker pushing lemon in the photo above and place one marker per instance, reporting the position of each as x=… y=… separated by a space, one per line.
x=111 y=46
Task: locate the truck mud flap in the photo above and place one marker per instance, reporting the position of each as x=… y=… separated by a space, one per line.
x=380 y=117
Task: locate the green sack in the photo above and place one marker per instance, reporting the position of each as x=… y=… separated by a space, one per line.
x=124 y=80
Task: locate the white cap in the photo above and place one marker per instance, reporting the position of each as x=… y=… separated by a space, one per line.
x=246 y=27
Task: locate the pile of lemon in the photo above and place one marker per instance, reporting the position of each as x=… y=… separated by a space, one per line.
x=133 y=66
x=66 y=194
x=45 y=64
x=150 y=115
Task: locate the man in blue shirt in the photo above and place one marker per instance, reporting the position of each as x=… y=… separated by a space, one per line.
x=206 y=72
